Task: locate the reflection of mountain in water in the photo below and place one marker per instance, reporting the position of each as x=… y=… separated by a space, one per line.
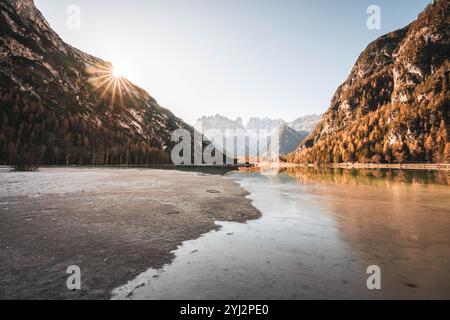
x=397 y=220
x=318 y=233
x=379 y=177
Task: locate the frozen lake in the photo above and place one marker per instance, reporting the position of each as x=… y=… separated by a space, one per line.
x=319 y=232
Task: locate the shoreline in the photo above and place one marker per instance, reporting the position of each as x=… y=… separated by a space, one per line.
x=113 y=224
x=405 y=166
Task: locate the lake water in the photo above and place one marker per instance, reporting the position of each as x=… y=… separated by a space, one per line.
x=319 y=232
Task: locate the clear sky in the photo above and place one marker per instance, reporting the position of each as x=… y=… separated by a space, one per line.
x=274 y=58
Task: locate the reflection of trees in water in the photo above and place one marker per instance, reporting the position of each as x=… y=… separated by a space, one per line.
x=395 y=219
x=368 y=176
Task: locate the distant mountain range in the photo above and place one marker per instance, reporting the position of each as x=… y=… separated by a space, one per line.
x=394 y=106
x=59 y=105
x=306 y=123
x=290 y=134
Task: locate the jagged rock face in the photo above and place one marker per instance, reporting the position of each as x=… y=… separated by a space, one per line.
x=395 y=104
x=218 y=122
x=65 y=106
x=256 y=130
x=306 y=123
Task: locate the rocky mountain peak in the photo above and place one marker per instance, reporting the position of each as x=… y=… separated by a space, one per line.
x=394 y=100
x=73 y=107
x=29 y=16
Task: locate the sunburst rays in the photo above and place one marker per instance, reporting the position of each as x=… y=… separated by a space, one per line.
x=109 y=83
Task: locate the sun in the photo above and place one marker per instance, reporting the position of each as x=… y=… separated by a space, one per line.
x=117 y=72
x=110 y=80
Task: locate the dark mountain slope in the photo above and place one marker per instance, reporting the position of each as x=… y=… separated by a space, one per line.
x=290 y=139
x=285 y=140
x=394 y=107
x=59 y=105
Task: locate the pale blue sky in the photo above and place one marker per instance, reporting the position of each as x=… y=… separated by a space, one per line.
x=274 y=58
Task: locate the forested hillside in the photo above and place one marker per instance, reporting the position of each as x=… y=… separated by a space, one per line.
x=59 y=105
x=395 y=106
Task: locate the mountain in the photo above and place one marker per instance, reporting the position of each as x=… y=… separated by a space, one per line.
x=394 y=106
x=59 y=105
x=263 y=124
x=219 y=122
x=302 y=124
x=256 y=130
x=306 y=123
x=289 y=139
